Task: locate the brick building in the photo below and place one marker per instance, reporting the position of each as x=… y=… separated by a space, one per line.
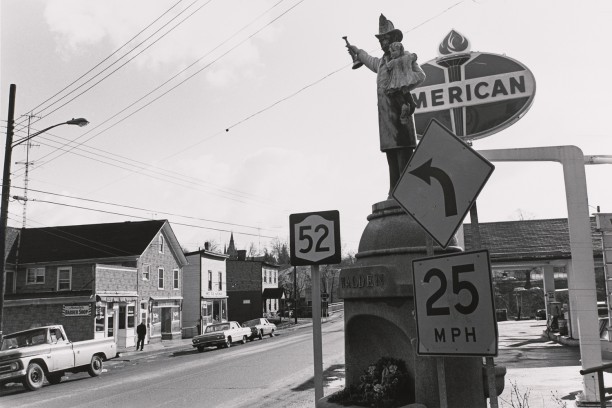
x=252 y=288
x=96 y=280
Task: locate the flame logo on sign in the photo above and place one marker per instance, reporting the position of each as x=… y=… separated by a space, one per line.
x=453 y=43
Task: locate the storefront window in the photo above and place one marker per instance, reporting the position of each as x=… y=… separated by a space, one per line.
x=216 y=311
x=130 y=316
x=121 y=317
x=100 y=317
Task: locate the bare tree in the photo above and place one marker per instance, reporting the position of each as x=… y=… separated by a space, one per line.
x=252 y=251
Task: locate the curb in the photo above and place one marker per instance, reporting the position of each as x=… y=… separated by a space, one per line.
x=565 y=340
x=186 y=343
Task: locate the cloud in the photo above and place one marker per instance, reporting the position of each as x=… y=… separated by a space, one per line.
x=80 y=24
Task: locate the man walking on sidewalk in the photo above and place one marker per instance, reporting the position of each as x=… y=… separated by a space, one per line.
x=141 y=331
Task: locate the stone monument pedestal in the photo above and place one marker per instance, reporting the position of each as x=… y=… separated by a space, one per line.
x=379 y=314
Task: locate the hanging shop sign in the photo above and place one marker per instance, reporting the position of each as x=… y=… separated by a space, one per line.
x=474 y=94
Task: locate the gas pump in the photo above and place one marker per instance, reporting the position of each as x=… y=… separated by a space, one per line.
x=555 y=312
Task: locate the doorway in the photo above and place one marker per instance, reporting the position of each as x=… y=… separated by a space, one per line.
x=166 y=321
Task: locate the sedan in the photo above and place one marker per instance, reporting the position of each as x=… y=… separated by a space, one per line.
x=260 y=327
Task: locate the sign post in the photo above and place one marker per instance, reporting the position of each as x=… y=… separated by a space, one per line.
x=315 y=240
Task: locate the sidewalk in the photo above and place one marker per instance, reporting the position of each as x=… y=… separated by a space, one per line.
x=171 y=345
x=548 y=370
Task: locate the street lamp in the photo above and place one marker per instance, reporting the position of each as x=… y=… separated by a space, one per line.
x=79 y=122
x=6 y=184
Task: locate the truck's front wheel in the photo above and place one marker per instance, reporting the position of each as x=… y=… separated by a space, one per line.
x=95 y=366
x=35 y=376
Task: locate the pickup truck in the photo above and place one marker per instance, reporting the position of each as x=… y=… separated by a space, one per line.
x=32 y=355
x=221 y=335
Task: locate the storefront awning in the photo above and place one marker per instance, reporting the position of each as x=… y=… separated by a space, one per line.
x=273 y=293
x=166 y=298
x=116 y=297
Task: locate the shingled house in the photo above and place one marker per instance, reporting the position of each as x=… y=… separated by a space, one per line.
x=97 y=280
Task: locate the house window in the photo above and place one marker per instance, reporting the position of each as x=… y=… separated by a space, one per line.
x=220 y=281
x=161 y=244
x=146 y=272
x=160 y=278
x=209 y=280
x=35 y=276
x=64 y=278
x=265 y=276
x=175 y=280
x=275 y=276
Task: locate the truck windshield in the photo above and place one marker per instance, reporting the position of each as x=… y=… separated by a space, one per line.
x=24 y=339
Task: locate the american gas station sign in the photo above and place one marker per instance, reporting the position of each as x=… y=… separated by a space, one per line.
x=473 y=94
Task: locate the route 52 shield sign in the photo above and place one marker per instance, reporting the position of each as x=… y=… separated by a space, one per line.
x=315 y=238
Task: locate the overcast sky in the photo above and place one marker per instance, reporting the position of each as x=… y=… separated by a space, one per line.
x=228 y=116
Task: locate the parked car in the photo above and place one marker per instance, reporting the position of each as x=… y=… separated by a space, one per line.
x=32 y=355
x=221 y=335
x=540 y=314
x=259 y=328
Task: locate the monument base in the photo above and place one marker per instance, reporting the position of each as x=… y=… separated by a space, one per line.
x=379 y=314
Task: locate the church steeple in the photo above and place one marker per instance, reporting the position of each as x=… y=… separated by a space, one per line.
x=231 y=249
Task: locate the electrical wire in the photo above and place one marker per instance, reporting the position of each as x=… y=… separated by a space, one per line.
x=148 y=218
x=109 y=57
x=175 y=86
x=119 y=59
x=138 y=208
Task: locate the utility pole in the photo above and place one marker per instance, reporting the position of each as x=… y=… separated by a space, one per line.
x=6 y=181
x=26 y=177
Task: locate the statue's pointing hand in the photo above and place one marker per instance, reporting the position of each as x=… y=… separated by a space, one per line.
x=353 y=50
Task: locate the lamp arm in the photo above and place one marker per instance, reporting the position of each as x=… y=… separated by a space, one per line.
x=25 y=139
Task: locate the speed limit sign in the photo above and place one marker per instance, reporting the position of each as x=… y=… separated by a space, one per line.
x=315 y=238
x=454 y=306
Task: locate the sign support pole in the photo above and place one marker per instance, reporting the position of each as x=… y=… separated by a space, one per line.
x=316 y=332
x=439 y=360
x=490 y=363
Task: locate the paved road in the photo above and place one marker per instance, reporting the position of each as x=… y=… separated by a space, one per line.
x=270 y=372
x=277 y=372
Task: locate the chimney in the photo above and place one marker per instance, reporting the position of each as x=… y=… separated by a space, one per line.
x=207 y=246
x=242 y=255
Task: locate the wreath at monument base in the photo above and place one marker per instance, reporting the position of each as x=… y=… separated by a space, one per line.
x=384 y=384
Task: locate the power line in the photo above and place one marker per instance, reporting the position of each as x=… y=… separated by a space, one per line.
x=128 y=61
x=107 y=58
x=147 y=218
x=123 y=56
x=137 y=167
x=141 y=209
x=177 y=85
